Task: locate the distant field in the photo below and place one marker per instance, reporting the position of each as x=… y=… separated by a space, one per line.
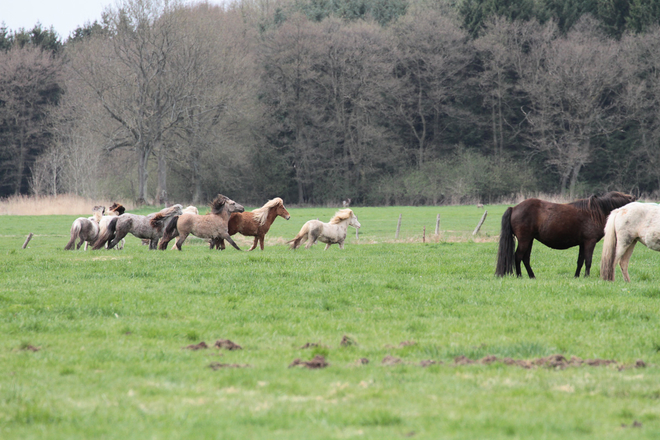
x=93 y=342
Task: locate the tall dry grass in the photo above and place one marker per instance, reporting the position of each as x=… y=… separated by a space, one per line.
x=63 y=204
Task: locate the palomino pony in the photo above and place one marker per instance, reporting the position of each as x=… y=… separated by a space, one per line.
x=624 y=228
x=256 y=223
x=115 y=210
x=211 y=226
x=149 y=227
x=558 y=226
x=87 y=229
x=328 y=233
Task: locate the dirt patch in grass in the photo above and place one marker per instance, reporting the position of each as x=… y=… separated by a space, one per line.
x=391 y=360
x=218 y=365
x=318 y=362
x=201 y=346
x=29 y=347
x=347 y=341
x=556 y=361
x=227 y=344
x=429 y=362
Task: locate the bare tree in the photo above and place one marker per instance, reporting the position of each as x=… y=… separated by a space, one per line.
x=642 y=100
x=138 y=74
x=572 y=83
x=432 y=56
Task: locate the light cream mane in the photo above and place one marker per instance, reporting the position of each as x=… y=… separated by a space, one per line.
x=261 y=214
x=341 y=215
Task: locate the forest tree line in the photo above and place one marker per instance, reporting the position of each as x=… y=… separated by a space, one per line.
x=315 y=101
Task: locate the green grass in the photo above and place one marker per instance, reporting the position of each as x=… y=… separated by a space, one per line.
x=110 y=327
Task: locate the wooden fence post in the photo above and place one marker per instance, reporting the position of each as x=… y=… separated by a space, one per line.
x=27 y=240
x=398 y=228
x=424 y=235
x=481 y=222
x=437 y=225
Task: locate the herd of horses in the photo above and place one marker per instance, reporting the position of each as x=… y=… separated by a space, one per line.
x=615 y=216
x=226 y=218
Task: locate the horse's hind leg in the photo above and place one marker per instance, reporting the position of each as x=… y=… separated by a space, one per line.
x=119 y=235
x=314 y=235
x=153 y=244
x=625 y=260
x=82 y=240
x=523 y=253
x=588 y=257
x=181 y=239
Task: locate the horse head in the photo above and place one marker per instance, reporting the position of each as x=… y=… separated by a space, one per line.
x=117 y=208
x=354 y=221
x=281 y=211
x=223 y=204
x=98 y=212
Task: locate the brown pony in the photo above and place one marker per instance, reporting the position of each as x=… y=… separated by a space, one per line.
x=256 y=223
x=211 y=226
x=558 y=226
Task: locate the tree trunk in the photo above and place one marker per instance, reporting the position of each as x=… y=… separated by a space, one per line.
x=143 y=175
x=574 y=178
x=161 y=193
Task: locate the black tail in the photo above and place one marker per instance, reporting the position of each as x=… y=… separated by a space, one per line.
x=107 y=235
x=506 y=251
x=170 y=232
x=171 y=226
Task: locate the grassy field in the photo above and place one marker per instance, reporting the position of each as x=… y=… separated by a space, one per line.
x=94 y=343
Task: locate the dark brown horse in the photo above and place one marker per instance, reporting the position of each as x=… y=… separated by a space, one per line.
x=558 y=226
x=211 y=226
x=255 y=223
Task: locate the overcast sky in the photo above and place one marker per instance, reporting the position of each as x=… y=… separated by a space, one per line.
x=63 y=15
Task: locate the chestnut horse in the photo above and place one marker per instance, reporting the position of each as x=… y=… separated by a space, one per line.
x=256 y=223
x=328 y=233
x=558 y=226
x=624 y=228
x=214 y=225
x=87 y=229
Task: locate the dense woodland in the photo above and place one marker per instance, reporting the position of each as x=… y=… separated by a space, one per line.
x=315 y=101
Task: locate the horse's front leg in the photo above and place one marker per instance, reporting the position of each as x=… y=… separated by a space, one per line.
x=588 y=258
x=327 y=245
x=254 y=245
x=153 y=244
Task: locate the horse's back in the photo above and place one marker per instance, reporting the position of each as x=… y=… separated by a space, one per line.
x=557 y=225
x=242 y=222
